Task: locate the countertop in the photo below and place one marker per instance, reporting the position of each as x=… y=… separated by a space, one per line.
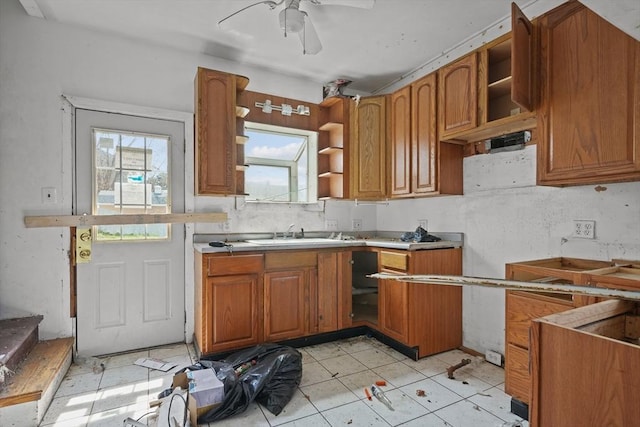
x=245 y=243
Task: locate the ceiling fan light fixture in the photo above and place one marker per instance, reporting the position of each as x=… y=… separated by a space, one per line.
x=291 y=20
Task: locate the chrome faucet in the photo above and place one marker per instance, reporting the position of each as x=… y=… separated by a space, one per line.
x=290 y=233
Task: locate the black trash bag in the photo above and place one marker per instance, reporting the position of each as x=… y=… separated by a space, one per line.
x=270 y=374
x=420 y=235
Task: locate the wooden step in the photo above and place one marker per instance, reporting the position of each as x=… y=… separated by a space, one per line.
x=27 y=394
x=17 y=339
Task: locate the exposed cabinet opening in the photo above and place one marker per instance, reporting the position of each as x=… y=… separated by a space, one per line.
x=364 y=301
x=499 y=81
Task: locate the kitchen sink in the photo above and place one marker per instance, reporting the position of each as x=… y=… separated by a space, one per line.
x=294 y=242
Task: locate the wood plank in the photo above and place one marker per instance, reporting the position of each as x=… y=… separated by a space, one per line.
x=632 y=327
x=590 y=314
x=36 y=372
x=88 y=220
x=511 y=285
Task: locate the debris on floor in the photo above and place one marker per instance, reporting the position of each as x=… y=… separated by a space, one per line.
x=379 y=394
x=420 y=393
x=96 y=364
x=451 y=369
x=157 y=364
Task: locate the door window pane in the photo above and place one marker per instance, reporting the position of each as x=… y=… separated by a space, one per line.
x=131 y=176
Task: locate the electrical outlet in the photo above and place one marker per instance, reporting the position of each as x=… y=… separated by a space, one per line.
x=493 y=357
x=584 y=229
x=423 y=223
x=356 y=224
x=331 y=224
x=49 y=195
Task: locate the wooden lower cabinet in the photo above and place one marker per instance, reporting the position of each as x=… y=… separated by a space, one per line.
x=228 y=297
x=245 y=299
x=284 y=304
x=249 y=298
x=428 y=317
x=523 y=307
x=586 y=366
x=393 y=317
x=235 y=310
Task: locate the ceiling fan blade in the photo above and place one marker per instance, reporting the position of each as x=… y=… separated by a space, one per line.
x=272 y=5
x=362 y=4
x=309 y=38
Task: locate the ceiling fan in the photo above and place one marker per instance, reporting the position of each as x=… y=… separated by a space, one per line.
x=294 y=20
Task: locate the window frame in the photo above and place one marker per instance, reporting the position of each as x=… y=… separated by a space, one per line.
x=311 y=146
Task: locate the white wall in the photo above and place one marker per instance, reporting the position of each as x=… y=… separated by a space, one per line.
x=507 y=218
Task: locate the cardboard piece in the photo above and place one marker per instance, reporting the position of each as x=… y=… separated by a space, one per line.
x=157 y=364
x=206 y=391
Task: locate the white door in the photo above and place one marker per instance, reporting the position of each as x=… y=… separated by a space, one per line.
x=131 y=294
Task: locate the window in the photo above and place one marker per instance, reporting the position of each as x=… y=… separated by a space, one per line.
x=130 y=176
x=282 y=164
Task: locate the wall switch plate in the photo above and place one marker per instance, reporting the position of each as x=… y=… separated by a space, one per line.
x=356 y=224
x=49 y=195
x=331 y=224
x=584 y=229
x=493 y=357
x=423 y=223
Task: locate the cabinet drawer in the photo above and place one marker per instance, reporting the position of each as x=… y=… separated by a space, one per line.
x=274 y=261
x=393 y=261
x=521 y=308
x=516 y=370
x=236 y=264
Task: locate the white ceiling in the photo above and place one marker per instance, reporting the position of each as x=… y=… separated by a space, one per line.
x=371 y=47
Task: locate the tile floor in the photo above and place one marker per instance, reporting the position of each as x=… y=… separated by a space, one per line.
x=330 y=393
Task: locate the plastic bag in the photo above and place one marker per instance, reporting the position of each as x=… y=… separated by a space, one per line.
x=267 y=373
x=420 y=235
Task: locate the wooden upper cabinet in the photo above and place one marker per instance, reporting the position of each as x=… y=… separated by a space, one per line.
x=590 y=116
x=367 y=159
x=424 y=140
x=216 y=132
x=458 y=96
x=400 y=142
x=412 y=138
x=490 y=92
x=521 y=59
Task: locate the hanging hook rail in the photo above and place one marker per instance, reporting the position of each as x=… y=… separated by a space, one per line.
x=385 y=203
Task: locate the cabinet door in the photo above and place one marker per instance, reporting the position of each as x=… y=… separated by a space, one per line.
x=392 y=309
x=367 y=156
x=521 y=59
x=517 y=378
x=329 y=271
x=423 y=135
x=234 y=311
x=435 y=311
x=284 y=304
x=400 y=142
x=215 y=132
x=590 y=117
x=458 y=96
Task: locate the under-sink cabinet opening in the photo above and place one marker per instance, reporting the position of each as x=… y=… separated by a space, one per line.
x=364 y=300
